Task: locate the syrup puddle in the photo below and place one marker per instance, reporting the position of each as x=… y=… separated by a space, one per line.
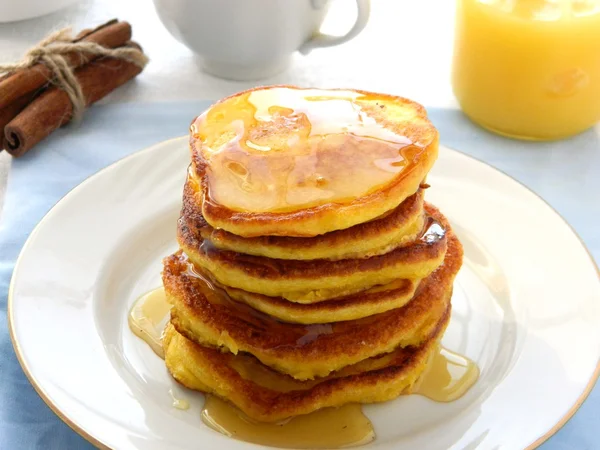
x=148 y=317
x=326 y=428
x=179 y=403
x=447 y=377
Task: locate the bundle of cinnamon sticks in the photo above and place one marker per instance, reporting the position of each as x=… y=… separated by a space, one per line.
x=32 y=106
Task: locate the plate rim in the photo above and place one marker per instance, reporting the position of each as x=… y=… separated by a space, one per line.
x=99 y=444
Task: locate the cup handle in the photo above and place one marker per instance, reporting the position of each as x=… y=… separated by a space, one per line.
x=327 y=40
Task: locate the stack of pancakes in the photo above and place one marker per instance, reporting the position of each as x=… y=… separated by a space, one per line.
x=311 y=273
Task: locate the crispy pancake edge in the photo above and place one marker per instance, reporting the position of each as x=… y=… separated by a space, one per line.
x=196 y=318
x=351 y=307
x=208 y=370
x=302 y=281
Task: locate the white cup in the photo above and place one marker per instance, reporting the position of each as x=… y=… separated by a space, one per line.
x=251 y=39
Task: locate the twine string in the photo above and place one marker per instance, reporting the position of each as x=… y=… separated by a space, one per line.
x=51 y=52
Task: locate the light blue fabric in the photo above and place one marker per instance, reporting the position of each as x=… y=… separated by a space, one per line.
x=566 y=174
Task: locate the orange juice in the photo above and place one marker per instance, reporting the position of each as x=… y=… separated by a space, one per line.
x=529 y=69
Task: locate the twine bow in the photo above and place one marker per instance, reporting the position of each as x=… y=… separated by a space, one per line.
x=50 y=52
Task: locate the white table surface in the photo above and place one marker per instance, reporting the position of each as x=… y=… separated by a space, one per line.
x=405 y=49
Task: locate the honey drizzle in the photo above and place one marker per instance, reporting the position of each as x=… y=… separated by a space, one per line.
x=328 y=146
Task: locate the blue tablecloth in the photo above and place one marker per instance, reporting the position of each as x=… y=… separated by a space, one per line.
x=566 y=174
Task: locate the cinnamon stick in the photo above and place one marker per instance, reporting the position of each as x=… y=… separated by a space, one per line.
x=112 y=34
x=9 y=113
x=53 y=108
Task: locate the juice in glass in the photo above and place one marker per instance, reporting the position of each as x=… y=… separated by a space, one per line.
x=528 y=69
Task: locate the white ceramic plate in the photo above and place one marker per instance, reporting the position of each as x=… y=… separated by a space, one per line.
x=526 y=308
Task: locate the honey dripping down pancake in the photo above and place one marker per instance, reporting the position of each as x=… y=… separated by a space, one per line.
x=286 y=161
x=311 y=275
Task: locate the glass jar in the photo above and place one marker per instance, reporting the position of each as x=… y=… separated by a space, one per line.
x=528 y=69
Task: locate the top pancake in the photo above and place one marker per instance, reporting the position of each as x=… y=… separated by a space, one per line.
x=285 y=161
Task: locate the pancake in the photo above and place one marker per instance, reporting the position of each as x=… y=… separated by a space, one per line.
x=319 y=280
x=206 y=315
x=269 y=396
x=310 y=273
x=286 y=161
x=375 y=300
x=381 y=235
